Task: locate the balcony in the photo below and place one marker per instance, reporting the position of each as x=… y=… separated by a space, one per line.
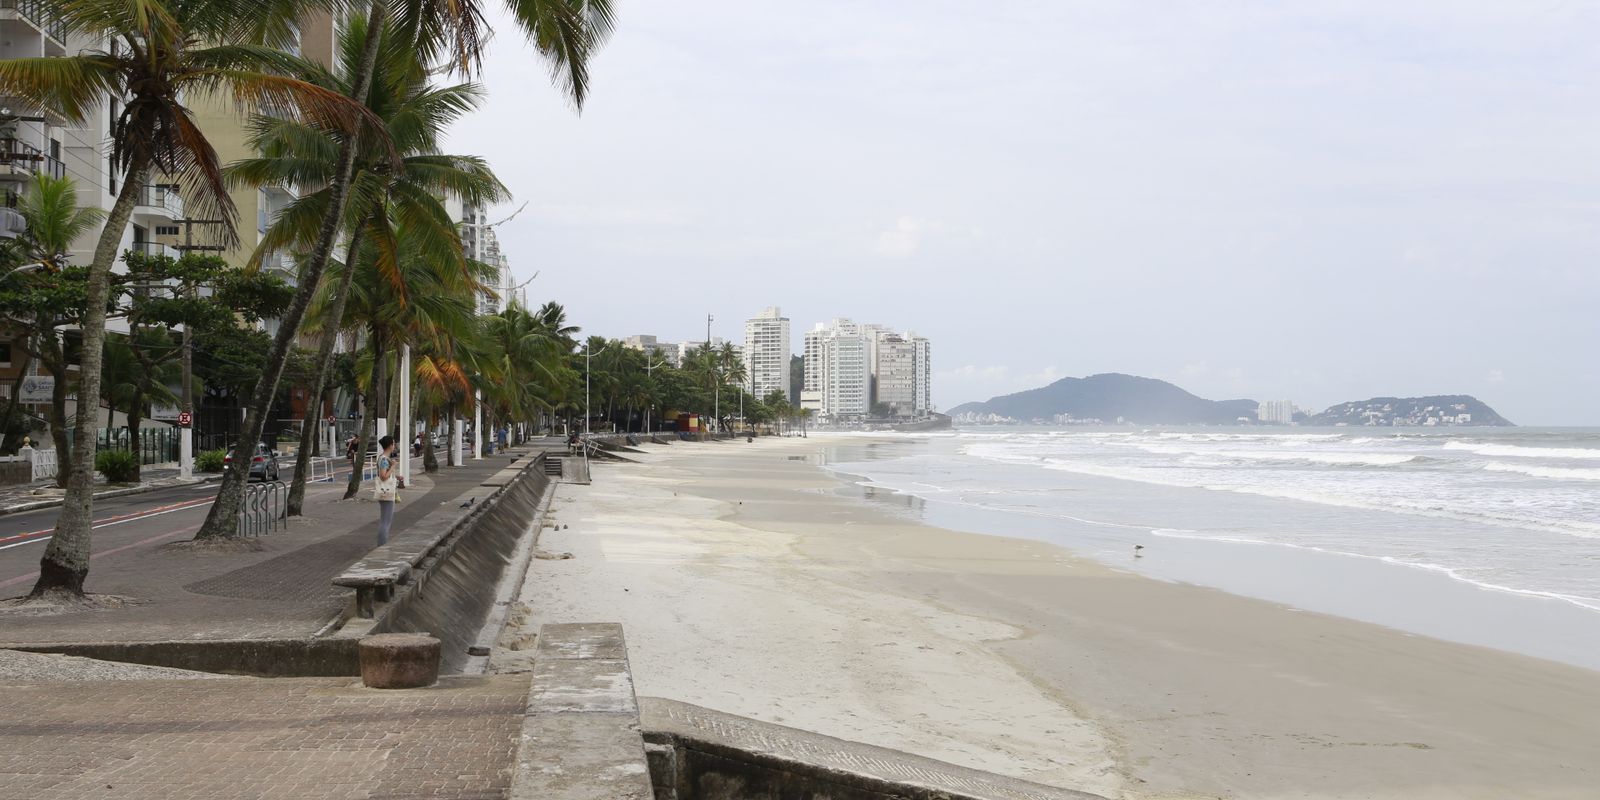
x=35 y=13
x=160 y=201
x=155 y=249
x=21 y=161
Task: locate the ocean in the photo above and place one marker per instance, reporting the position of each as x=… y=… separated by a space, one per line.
x=1483 y=536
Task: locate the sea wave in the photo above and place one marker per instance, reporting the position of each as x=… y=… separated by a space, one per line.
x=1518 y=451
x=1454 y=573
x=1553 y=473
x=1331 y=458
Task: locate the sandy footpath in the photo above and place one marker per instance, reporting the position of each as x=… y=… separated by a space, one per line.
x=745 y=583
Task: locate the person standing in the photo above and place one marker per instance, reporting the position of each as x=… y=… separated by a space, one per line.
x=384 y=489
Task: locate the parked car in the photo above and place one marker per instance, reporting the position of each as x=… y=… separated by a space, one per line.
x=263 y=465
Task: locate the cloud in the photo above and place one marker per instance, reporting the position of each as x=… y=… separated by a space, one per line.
x=1495 y=376
x=1047 y=375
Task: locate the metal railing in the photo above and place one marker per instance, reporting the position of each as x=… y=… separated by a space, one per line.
x=264 y=508
x=320 y=469
x=18 y=154
x=156 y=445
x=164 y=197
x=37 y=12
x=156 y=249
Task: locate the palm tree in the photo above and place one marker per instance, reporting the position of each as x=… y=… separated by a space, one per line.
x=565 y=33
x=161 y=51
x=415 y=115
x=53 y=221
x=432 y=299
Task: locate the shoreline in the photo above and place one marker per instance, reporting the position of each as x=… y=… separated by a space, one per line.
x=1422 y=599
x=747 y=584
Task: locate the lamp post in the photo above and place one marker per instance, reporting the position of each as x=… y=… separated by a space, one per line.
x=588 y=370
x=648 y=372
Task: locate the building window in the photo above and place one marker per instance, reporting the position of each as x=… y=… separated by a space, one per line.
x=5 y=354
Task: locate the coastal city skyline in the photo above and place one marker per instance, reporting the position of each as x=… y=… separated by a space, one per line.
x=1156 y=189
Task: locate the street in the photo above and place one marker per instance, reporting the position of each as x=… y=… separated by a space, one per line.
x=120 y=524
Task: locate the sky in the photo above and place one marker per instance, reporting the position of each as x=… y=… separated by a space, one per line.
x=1312 y=201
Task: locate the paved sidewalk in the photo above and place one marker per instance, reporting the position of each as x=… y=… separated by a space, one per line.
x=278 y=585
x=259 y=738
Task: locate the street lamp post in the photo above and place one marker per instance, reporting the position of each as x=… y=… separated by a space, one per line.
x=648 y=374
x=588 y=369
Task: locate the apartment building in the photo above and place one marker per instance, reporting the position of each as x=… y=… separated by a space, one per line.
x=838 y=372
x=766 y=353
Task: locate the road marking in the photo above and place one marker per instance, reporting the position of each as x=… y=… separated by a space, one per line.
x=108 y=521
x=92 y=556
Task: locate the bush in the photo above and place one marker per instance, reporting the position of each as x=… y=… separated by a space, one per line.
x=119 y=466
x=210 y=460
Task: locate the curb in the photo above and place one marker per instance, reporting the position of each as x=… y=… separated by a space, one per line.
x=21 y=508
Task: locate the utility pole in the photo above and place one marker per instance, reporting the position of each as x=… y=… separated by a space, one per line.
x=186 y=435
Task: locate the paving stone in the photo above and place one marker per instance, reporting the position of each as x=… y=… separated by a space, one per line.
x=255 y=738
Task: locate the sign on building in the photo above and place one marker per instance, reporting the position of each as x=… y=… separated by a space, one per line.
x=37 y=389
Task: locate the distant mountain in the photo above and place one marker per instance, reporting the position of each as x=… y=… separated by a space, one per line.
x=1439 y=409
x=1109 y=396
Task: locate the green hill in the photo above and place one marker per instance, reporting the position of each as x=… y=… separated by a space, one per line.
x=1111 y=395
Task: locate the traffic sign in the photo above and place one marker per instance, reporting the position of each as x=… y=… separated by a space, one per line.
x=332 y=420
x=184 y=418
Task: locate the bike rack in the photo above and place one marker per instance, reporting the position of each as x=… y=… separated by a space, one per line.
x=264 y=508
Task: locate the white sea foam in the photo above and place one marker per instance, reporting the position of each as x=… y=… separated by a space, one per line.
x=1553 y=473
x=1518 y=451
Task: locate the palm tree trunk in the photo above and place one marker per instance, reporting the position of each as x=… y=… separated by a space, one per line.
x=135 y=416
x=65 y=562
x=330 y=339
x=430 y=459
x=369 y=420
x=220 y=521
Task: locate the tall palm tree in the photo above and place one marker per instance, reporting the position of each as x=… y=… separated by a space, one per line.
x=565 y=33
x=416 y=115
x=159 y=53
x=432 y=299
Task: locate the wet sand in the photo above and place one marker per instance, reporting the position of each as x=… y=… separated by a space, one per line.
x=748 y=584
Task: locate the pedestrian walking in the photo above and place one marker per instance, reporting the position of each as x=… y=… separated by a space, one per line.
x=385 y=489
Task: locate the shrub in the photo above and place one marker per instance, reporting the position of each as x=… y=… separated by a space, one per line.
x=119 y=466
x=210 y=460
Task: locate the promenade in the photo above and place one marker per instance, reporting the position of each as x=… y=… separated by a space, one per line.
x=165 y=588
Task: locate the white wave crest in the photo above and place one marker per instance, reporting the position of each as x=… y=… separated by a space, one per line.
x=1553 y=473
x=1518 y=451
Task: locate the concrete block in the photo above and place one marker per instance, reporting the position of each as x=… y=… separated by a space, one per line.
x=582 y=640
x=581 y=686
x=581 y=757
x=399 y=660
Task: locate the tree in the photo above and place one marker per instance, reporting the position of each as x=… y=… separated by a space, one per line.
x=415 y=116
x=564 y=32
x=161 y=51
x=40 y=293
x=157 y=295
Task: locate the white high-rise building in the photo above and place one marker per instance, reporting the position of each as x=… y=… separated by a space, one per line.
x=1276 y=412
x=922 y=358
x=838 y=373
x=766 y=353
x=479 y=243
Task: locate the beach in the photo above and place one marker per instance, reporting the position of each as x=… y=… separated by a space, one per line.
x=748 y=582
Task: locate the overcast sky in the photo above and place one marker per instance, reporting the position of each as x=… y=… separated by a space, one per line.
x=1314 y=201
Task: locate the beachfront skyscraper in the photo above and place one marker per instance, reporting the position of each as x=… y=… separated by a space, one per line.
x=854 y=370
x=838 y=372
x=766 y=353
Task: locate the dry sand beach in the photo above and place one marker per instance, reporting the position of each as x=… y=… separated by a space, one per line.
x=746 y=583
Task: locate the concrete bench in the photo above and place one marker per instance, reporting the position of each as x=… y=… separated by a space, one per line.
x=373 y=578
